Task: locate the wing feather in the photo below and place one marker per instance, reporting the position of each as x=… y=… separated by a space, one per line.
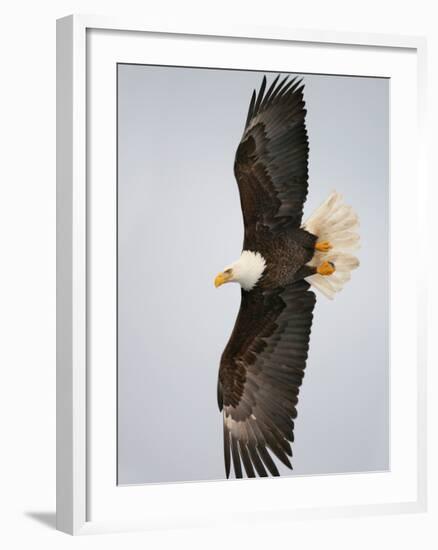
x=247 y=463
x=227 y=443
x=236 y=458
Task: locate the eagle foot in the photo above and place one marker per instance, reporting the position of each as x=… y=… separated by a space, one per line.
x=323 y=246
x=326 y=268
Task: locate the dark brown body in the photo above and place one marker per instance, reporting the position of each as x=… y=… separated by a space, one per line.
x=286 y=258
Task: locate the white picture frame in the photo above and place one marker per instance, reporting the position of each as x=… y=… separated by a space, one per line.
x=88 y=500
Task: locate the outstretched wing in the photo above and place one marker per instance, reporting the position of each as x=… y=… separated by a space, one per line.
x=271 y=164
x=260 y=375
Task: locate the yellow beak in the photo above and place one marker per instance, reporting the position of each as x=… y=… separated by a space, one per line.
x=222 y=278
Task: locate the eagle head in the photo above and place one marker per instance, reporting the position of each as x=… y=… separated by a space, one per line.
x=246 y=271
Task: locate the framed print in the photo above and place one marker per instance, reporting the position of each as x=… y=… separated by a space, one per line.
x=202 y=380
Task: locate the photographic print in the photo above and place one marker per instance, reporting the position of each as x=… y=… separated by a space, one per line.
x=279 y=184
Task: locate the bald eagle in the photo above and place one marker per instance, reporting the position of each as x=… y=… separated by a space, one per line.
x=262 y=366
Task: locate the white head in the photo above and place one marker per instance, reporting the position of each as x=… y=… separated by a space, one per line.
x=246 y=271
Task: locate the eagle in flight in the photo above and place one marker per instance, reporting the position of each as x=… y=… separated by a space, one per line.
x=262 y=366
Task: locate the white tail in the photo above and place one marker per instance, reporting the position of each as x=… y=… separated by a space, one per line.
x=337 y=223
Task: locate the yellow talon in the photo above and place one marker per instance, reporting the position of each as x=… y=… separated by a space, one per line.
x=326 y=268
x=323 y=246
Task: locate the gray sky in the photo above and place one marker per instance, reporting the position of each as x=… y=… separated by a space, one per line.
x=179 y=223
